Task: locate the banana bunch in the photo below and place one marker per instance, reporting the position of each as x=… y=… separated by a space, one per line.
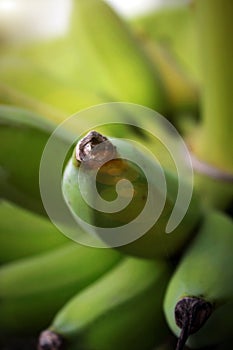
x=42 y=270
x=103 y=162
x=152 y=283
x=199 y=295
x=121 y=310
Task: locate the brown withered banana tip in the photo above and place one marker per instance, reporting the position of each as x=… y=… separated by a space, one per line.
x=190 y=314
x=49 y=340
x=89 y=154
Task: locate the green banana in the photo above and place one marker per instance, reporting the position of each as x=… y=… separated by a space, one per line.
x=115 y=63
x=23 y=138
x=101 y=56
x=34 y=288
x=23 y=234
x=27 y=85
x=30 y=133
x=93 y=151
x=203 y=284
x=175 y=29
x=180 y=89
x=55 y=57
x=121 y=310
x=11 y=97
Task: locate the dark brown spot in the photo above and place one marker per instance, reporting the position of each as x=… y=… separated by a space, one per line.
x=49 y=340
x=190 y=315
x=94 y=150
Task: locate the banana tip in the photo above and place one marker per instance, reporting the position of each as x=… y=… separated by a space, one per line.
x=94 y=149
x=190 y=315
x=49 y=340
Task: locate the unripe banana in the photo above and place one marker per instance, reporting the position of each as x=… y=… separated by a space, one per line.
x=202 y=287
x=23 y=138
x=81 y=178
x=181 y=90
x=33 y=289
x=100 y=55
x=12 y=97
x=121 y=310
x=175 y=28
x=116 y=64
x=23 y=233
x=26 y=85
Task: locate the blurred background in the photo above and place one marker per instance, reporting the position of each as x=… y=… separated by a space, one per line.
x=38 y=19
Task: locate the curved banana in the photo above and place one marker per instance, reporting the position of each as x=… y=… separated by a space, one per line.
x=23 y=138
x=29 y=86
x=33 y=289
x=202 y=284
x=103 y=62
x=117 y=65
x=181 y=91
x=23 y=233
x=182 y=42
x=93 y=151
x=121 y=310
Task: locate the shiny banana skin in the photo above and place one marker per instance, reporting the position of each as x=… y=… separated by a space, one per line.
x=121 y=310
x=24 y=234
x=206 y=272
x=155 y=242
x=34 y=288
x=23 y=138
